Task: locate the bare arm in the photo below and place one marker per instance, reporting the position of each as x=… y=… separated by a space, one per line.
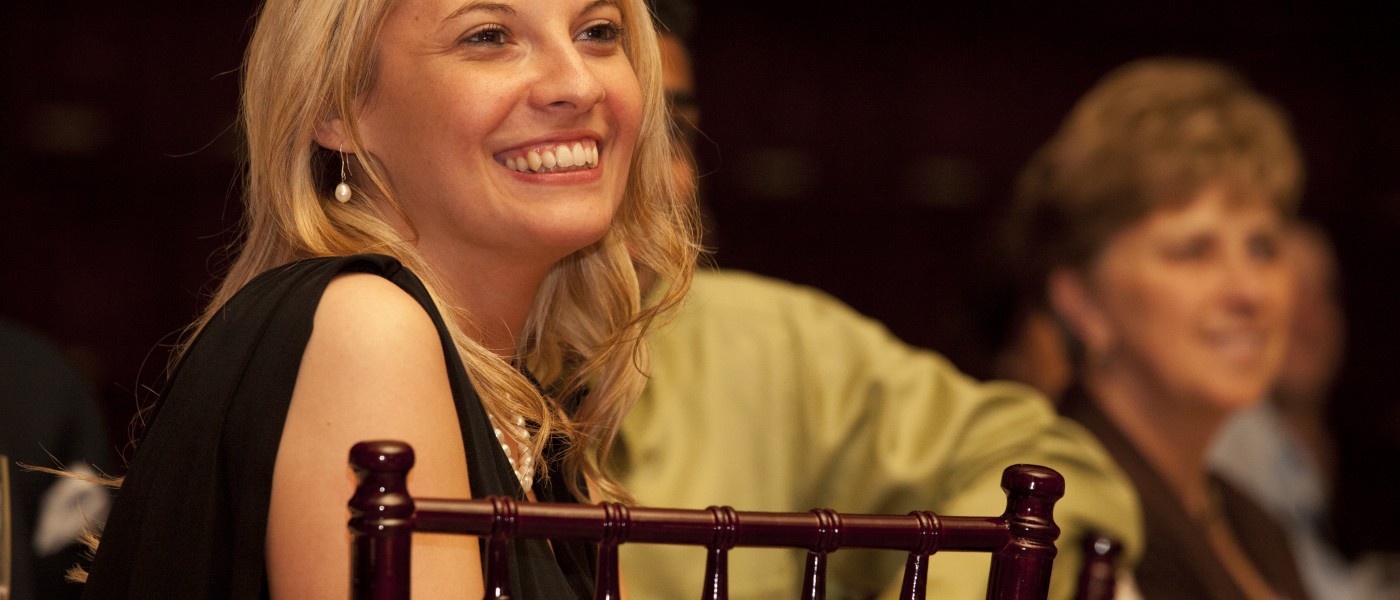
x=373 y=369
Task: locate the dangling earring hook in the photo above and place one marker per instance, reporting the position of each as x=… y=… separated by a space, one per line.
x=342 y=190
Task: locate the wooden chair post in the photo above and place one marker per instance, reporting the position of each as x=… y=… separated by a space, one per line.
x=828 y=540
x=915 y=586
x=1022 y=568
x=725 y=530
x=381 y=519
x=1098 y=578
x=617 y=522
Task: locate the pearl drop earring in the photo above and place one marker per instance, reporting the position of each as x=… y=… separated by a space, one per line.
x=342 y=189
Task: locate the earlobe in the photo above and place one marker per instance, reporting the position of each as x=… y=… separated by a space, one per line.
x=1074 y=303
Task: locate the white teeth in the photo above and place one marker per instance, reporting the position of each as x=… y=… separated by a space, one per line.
x=564 y=156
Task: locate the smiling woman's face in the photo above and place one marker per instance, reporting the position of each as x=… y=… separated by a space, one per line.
x=506 y=128
x=1193 y=302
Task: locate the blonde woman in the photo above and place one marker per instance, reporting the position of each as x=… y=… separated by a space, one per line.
x=448 y=208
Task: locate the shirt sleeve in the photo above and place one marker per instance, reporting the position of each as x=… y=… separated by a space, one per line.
x=770 y=396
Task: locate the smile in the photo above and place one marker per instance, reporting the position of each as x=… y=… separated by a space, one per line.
x=553 y=158
x=1240 y=345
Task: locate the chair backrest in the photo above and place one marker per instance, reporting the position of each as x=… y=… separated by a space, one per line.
x=1098 y=577
x=384 y=516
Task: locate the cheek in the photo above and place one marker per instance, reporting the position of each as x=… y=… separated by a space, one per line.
x=1284 y=300
x=462 y=117
x=397 y=124
x=1282 y=321
x=1136 y=300
x=625 y=102
x=1151 y=314
x=438 y=103
x=624 y=111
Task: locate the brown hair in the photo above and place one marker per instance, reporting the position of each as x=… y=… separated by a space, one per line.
x=1150 y=135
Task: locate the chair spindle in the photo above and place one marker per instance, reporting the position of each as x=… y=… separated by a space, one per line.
x=725 y=530
x=1098 y=578
x=617 y=523
x=505 y=519
x=828 y=541
x=915 y=586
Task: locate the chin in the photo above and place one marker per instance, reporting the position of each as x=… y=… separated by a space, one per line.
x=565 y=242
x=1237 y=395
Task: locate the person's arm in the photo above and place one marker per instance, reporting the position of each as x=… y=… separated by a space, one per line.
x=905 y=430
x=771 y=396
x=884 y=427
x=373 y=369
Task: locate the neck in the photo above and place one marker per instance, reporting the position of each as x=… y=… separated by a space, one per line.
x=1174 y=434
x=493 y=297
x=489 y=292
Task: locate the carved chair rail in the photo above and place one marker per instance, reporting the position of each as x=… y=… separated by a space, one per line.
x=384 y=516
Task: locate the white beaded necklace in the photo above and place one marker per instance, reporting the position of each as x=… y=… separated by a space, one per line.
x=525 y=467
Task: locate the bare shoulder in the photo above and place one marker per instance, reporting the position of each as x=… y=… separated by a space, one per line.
x=361 y=308
x=374 y=368
x=373 y=348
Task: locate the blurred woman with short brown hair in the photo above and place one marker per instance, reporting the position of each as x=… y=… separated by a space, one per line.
x=1153 y=223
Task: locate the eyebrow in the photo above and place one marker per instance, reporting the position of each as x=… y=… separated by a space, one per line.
x=497 y=7
x=598 y=3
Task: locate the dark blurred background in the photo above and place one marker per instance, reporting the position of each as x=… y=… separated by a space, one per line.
x=864 y=148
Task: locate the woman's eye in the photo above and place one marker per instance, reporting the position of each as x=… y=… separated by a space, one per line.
x=491 y=35
x=1187 y=250
x=1265 y=248
x=601 y=32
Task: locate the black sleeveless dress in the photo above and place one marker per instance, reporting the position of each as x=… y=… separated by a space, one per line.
x=190 y=520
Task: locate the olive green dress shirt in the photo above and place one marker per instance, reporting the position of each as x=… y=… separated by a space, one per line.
x=770 y=396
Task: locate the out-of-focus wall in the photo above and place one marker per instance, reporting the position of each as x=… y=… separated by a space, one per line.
x=867 y=149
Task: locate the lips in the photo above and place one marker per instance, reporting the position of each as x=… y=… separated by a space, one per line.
x=1240 y=345
x=552 y=157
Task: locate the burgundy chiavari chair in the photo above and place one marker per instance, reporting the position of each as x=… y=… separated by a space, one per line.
x=384 y=516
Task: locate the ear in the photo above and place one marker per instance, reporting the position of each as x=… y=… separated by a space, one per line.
x=330 y=133
x=1078 y=307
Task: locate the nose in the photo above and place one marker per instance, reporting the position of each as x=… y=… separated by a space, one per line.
x=564 y=81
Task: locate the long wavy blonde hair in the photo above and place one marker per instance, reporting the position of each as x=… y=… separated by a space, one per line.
x=311 y=59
